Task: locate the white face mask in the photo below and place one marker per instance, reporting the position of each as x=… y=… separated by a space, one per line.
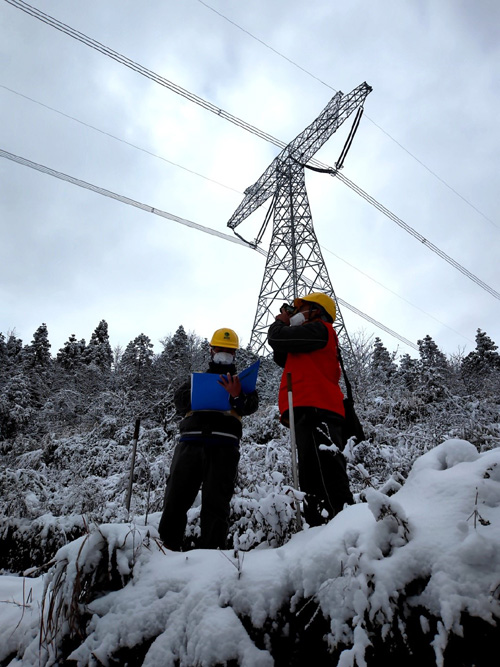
x=297 y=319
x=225 y=358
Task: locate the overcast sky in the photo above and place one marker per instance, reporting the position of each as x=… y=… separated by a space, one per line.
x=70 y=257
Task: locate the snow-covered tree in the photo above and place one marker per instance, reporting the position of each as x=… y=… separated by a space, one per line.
x=16 y=406
x=11 y=356
x=38 y=367
x=434 y=370
x=408 y=371
x=70 y=356
x=181 y=355
x=382 y=363
x=357 y=360
x=486 y=350
x=3 y=350
x=98 y=352
x=136 y=363
x=14 y=346
x=481 y=368
x=268 y=380
x=37 y=355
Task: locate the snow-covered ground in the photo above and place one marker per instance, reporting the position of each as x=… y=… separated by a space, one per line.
x=431 y=552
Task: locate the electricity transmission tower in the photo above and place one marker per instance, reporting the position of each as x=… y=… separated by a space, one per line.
x=295 y=265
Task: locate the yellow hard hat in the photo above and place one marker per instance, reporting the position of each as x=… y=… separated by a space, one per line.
x=320 y=299
x=225 y=338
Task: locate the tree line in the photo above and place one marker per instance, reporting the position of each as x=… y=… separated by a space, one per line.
x=85 y=382
x=67 y=422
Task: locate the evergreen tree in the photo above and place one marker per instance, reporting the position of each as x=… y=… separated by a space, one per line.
x=181 y=355
x=16 y=409
x=484 y=358
x=38 y=366
x=430 y=355
x=434 y=370
x=70 y=374
x=3 y=350
x=37 y=355
x=14 y=348
x=136 y=362
x=11 y=356
x=177 y=347
x=481 y=368
x=179 y=358
x=382 y=364
x=408 y=372
x=3 y=360
x=487 y=350
x=201 y=355
x=70 y=356
x=98 y=352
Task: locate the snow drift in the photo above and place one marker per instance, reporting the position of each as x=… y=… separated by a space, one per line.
x=414 y=577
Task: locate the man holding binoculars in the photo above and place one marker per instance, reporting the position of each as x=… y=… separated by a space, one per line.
x=305 y=344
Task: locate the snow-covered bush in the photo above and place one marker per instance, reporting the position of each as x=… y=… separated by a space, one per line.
x=409 y=579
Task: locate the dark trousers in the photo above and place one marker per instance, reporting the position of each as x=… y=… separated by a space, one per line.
x=213 y=467
x=322 y=472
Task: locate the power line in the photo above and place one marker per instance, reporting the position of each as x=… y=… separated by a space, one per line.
x=278 y=53
x=416 y=235
x=295 y=64
x=125 y=200
x=392 y=216
x=240 y=123
x=156 y=211
x=381 y=326
x=123 y=141
x=123 y=60
x=128 y=143
x=366 y=275
x=464 y=199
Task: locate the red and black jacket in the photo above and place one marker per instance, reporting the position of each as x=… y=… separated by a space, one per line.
x=309 y=353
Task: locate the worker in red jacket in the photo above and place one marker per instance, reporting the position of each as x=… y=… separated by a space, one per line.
x=305 y=344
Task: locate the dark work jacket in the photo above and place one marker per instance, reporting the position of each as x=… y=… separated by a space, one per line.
x=214 y=423
x=305 y=338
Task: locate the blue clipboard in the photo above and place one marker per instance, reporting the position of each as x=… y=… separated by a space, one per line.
x=208 y=394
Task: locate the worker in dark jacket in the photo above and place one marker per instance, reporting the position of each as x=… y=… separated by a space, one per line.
x=207 y=453
x=305 y=344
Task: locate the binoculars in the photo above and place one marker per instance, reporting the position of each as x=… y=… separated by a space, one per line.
x=288 y=308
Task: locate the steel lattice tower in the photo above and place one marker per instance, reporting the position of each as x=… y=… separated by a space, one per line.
x=294 y=265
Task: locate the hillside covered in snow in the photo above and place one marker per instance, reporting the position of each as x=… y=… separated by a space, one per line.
x=408 y=579
x=410 y=574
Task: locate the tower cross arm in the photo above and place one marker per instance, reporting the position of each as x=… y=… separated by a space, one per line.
x=338 y=109
x=301 y=149
x=255 y=195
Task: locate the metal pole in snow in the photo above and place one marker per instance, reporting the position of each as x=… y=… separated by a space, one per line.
x=132 y=465
x=293 y=444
